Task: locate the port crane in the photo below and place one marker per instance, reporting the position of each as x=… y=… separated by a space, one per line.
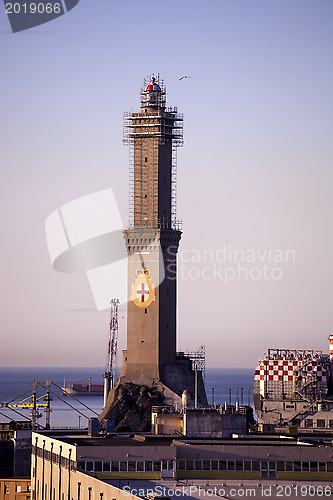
x=33 y=403
x=109 y=376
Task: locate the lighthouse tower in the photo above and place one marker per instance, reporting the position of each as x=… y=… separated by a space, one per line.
x=153 y=237
x=152 y=240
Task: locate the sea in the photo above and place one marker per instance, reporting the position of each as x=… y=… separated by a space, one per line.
x=222 y=385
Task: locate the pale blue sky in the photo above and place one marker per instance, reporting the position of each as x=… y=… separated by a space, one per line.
x=255 y=170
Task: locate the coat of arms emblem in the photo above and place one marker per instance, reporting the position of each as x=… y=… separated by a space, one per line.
x=143 y=291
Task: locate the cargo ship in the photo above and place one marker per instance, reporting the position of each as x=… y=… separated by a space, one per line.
x=89 y=389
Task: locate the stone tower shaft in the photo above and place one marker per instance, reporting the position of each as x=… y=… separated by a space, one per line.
x=153 y=236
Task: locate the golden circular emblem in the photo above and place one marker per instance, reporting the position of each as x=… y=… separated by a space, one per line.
x=142 y=292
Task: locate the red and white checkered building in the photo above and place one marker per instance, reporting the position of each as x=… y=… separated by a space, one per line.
x=282 y=373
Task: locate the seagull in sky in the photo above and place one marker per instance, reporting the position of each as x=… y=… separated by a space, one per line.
x=186 y=76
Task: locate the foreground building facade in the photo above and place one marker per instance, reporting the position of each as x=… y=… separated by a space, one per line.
x=77 y=466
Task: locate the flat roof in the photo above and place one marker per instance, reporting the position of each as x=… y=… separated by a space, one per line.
x=81 y=438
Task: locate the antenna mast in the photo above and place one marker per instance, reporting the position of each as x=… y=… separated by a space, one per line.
x=109 y=375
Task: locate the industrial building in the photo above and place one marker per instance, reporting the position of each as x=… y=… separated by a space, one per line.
x=294 y=388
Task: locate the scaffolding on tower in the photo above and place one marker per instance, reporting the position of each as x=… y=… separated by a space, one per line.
x=109 y=376
x=161 y=125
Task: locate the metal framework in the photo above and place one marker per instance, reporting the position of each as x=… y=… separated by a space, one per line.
x=290 y=354
x=112 y=342
x=198 y=359
x=34 y=404
x=161 y=124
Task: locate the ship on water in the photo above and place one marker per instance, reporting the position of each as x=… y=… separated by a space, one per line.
x=89 y=389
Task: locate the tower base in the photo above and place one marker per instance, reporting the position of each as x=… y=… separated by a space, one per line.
x=177 y=378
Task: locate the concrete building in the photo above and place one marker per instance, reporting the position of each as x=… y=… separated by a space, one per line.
x=15 y=489
x=294 y=388
x=152 y=241
x=219 y=422
x=15 y=449
x=79 y=467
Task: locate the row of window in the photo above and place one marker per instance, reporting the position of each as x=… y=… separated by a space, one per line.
x=321 y=423
x=53 y=457
x=131 y=466
x=205 y=465
x=7 y=489
x=254 y=465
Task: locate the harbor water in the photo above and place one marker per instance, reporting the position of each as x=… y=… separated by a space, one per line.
x=222 y=385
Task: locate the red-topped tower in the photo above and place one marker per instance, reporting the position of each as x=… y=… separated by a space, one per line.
x=152 y=241
x=153 y=236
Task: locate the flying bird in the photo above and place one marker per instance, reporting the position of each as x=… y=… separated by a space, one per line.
x=186 y=76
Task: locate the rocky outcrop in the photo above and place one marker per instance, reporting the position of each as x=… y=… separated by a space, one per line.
x=131 y=406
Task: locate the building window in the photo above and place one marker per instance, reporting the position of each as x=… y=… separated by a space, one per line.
x=106 y=466
x=231 y=465
x=140 y=466
x=6 y=489
x=131 y=466
x=123 y=466
x=331 y=424
x=157 y=466
x=305 y=466
x=98 y=466
x=280 y=466
x=181 y=464
x=214 y=465
x=222 y=465
x=146 y=311
x=321 y=423
x=198 y=464
x=297 y=466
x=322 y=466
x=206 y=464
x=247 y=465
x=146 y=159
x=89 y=466
x=314 y=466
x=308 y=423
x=19 y=488
x=289 y=466
x=329 y=466
x=115 y=466
x=189 y=465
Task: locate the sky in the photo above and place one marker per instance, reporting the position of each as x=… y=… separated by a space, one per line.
x=254 y=181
